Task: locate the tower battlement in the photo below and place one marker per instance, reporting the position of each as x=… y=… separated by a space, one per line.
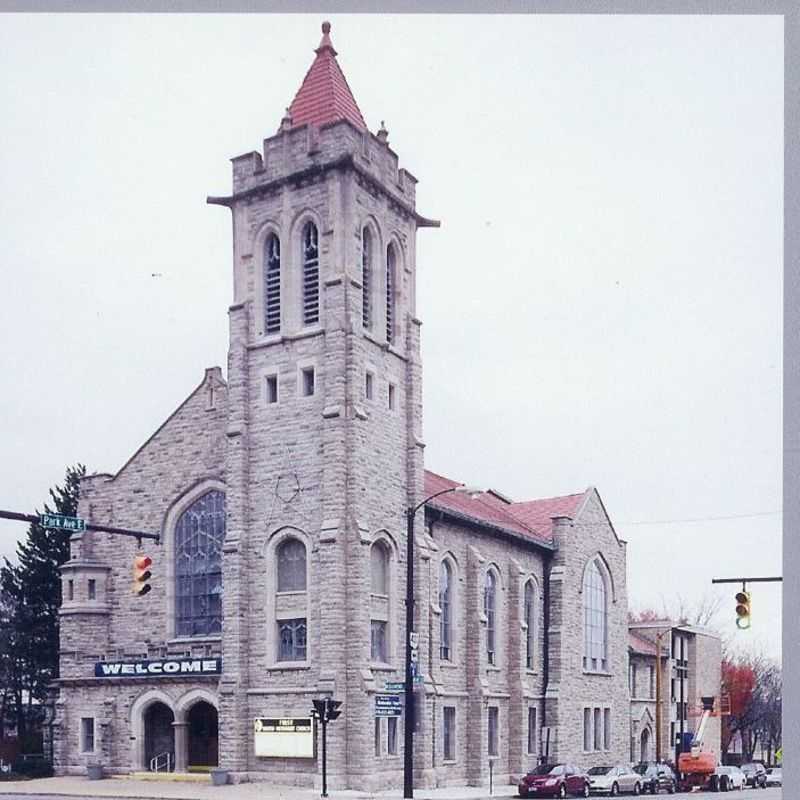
x=307 y=148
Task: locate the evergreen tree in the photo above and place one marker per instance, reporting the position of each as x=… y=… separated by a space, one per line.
x=30 y=598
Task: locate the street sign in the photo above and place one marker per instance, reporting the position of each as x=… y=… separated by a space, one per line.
x=60 y=522
x=395 y=686
x=414 y=640
x=388 y=705
x=414 y=656
x=418 y=678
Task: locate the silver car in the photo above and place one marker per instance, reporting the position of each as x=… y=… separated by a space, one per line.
x=728 y=778
x=614 y=780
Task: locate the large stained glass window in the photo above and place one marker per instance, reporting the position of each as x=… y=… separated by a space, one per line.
x=199 y=535
x=594 y=619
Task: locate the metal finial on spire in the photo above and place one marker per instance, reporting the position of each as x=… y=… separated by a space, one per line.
x=326 y=27
x=326 y=43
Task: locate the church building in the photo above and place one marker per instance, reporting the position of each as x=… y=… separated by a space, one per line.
x=280 y=493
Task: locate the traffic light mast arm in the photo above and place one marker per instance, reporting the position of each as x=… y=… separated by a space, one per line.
x=777 y=579
x=14 y=515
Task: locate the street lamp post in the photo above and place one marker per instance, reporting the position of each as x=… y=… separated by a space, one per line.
x=410 y=710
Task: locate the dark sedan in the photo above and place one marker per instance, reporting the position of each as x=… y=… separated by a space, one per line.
x=554 y=780
x=656 y=777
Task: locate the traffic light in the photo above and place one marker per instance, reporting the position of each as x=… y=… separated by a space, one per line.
x=743 y=610
x=141 y=575
x=333 y=708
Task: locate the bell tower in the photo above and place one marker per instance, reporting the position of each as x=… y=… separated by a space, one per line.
x=323 y=437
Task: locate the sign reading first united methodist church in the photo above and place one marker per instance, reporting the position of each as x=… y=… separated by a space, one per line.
x=158 y=668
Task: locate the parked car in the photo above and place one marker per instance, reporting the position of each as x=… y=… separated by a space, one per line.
x=755 y=774
x=774 y=777
x=614 y=780
x=656 y=777
x=725 y=779
x=554 y=780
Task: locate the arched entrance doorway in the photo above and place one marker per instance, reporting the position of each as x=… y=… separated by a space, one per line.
x=159 y=735
x=645 y=745
x=203 y=730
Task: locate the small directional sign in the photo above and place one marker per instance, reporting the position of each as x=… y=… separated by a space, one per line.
x=60 y=522
x=388 y=705
x=414 y=656
x=414 y=640
x=395 y=686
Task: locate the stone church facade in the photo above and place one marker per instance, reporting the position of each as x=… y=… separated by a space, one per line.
x=280 y=495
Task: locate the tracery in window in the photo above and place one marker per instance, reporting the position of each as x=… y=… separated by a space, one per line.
x=366 y=279
x=445 y=605
x=490 y=609
x=199 y=535
x=291 y=600
x=272 y=284
x=310 y=247
x=594 y=618
x=292 y=639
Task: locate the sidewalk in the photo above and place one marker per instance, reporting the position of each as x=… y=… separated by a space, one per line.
x=154 y=790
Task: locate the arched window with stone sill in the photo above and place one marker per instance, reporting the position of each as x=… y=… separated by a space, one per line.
x=272 y=284
x=291 y=583
x=199 y=536
x=380 y=601
x=595 y=618
x=490 y=611
x=310 y=256
x=529 y=616
x=446 y=609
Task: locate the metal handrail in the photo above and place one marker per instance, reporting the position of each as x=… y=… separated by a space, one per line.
x=155 y=762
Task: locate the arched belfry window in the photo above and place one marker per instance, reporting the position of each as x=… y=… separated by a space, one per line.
x=310 y=244
x=391 y=274
x=272 y=284
x=199 y=535
x=446 y=608
x=530 y=622
x=291 y=585
x=490 y=610
x=366 y=279
x=380 y=601
x=595 y=618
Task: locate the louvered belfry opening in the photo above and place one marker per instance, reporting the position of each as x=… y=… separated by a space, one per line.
x=272 y=285
x=310 y=274
x=366 y=278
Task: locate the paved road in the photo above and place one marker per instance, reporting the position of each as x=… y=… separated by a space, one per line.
x=229 y=793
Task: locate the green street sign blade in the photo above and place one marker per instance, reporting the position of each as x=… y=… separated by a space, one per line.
x=61 y=522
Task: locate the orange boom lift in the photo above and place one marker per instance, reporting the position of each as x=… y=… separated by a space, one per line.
x=698 y=765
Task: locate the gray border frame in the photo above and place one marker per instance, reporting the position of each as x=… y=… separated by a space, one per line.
x=791 y=356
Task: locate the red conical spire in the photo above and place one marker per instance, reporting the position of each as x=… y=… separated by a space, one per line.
x=324 y=95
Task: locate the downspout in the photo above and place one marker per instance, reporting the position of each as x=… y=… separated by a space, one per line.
x=548 y=561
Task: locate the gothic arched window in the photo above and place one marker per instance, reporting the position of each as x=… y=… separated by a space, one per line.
x=530 y=622
x=490 y=610
x=291 y=558
x=310 y=246
x=290 y=568
x=380 y=601
x=391 y=275
x=199 y=534
x=594 y=618
x=366 y=279
x=272 y=284
x=445 y=605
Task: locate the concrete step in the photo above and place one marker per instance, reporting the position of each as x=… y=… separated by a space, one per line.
x=169 y=777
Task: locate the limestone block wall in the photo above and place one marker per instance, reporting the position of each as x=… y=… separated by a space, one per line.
x=572 y=688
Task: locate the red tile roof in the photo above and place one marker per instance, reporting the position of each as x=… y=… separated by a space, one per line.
x=530 y=519
x=324 y=95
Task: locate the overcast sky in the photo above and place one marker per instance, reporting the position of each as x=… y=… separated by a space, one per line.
x=602 y=304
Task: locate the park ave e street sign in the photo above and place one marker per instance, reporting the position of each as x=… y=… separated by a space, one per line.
x=60 y=522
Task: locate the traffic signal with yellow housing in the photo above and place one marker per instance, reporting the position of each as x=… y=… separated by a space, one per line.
x=141 y=575
x=743 y=609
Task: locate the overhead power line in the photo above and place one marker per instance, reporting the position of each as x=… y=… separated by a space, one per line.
x=702 y=519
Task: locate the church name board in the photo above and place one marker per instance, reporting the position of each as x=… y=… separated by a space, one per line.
x=286 y=738
x=158 y=668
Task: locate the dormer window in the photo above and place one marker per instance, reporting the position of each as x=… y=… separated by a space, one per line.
x=272 y=285
x=310 y=245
